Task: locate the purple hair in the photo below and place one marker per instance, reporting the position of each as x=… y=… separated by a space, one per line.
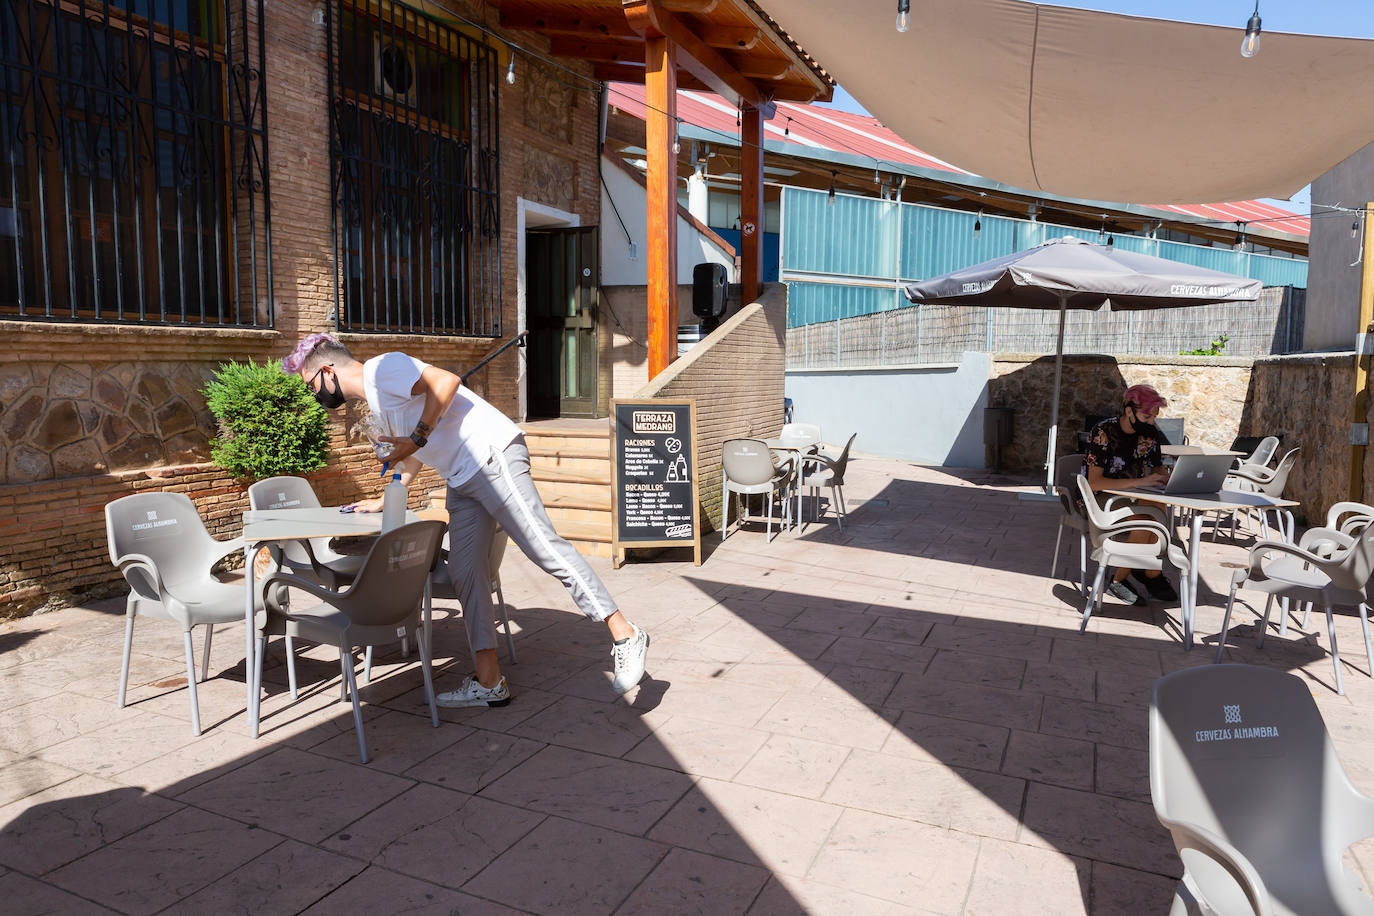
x=292 y=364
x=1144 y=397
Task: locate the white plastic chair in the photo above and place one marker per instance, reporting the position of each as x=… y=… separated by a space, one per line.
x=1296 y=572
x=1243 y=775
x=748 y=469
x=387 y=594
x=800 y=435
x=160 y=545
x=1108 y=531
x=1066 y=470
x=821 y=470
x=1270 y=483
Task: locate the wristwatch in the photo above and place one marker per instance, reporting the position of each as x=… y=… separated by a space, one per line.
x=419 y=440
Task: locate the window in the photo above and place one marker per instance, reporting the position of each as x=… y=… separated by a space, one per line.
x=133 y=176
x=415 y=182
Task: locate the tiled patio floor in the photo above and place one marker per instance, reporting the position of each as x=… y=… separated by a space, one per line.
x=896 y=718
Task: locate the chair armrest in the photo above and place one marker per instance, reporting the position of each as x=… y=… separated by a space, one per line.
x=1325 y=541
x=1162 y=535
x=1252 y=474
x=300 y=582
x=138 y=561
x=224 y=548
x=1120 y=515
x=1196 y=837
x=1260 y=551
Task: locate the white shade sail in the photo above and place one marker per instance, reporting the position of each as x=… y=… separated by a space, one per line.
x=1098 y=105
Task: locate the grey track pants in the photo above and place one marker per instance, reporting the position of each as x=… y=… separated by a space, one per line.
x=503 y=493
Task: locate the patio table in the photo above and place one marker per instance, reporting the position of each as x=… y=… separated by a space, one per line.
x=264 y=526
x=1199 y=503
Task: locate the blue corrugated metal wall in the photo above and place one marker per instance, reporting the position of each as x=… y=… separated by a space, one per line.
x=850 y=257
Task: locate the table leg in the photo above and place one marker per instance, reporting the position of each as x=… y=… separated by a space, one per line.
x=249 y=659
x=1194 y=545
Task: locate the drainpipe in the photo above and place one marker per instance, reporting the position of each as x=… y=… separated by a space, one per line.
x=1364 y=338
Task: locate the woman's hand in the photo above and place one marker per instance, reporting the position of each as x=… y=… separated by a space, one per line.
x=403 y=448
x=367 y=505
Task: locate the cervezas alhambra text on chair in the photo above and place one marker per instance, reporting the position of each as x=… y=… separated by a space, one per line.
x=160 y=545
x=1243 y=775
x=748 y=470
x=387 y=594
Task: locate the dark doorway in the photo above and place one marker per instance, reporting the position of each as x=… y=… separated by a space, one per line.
x=561 y=295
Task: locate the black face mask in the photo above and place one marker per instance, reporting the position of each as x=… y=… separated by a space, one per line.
x=330 y=400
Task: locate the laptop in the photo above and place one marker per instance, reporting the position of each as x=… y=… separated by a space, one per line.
x=1195 y=475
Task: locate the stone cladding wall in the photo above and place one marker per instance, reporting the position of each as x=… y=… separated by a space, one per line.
x=89 y=412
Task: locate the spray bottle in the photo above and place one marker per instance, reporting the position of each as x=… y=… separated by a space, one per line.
x=394 y=503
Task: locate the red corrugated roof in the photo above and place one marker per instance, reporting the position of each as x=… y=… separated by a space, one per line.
x=818 y=126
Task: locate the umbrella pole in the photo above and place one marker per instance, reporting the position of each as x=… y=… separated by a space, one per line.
x=1054 y=403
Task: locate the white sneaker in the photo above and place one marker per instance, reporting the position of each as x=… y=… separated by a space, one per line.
x=628 y=656
x=472 y=693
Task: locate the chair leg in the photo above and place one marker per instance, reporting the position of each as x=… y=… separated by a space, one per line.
x=257 y=666
x=291 y=666
x=1364 y=626
x=124 y=665
x=844 y=510
x=1335 y=652
x=1225 y=625
x=1083 y=562
x=191 y=681
x=367 y=665
x=1307 y=612
x=1054 y=561
x=427 y=672
x=346 y=663
x=1092 y=599
x=1264 y=624
x=839 y=513
x=769 y=530
x=505 y=619
x=205 y=653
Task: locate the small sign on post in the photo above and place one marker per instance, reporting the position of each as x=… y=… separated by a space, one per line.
x=654 y=477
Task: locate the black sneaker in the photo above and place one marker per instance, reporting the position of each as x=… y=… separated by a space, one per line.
x=1158 y=587
x=1124 y=593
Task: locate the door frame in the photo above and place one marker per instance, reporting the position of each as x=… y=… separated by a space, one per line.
x=531 y=215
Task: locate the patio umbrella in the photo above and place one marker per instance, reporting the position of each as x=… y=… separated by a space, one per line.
x=1070 y=273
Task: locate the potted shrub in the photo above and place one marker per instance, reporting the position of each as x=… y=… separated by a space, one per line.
x=269 y=422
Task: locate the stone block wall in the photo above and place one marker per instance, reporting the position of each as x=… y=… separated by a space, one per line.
x=736 y=377
x=91 y=412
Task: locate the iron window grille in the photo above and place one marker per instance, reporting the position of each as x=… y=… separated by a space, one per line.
x=415 y=186
x=133 y=172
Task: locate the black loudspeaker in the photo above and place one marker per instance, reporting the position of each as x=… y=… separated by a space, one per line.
x=708 y=290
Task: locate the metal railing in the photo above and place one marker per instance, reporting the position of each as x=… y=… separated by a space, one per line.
x=133 y=168
x=414 y=156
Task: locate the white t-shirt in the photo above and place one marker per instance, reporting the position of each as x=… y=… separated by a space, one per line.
x=463 y=438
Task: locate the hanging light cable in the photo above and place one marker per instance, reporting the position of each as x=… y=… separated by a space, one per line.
x=903 y=15
x=1250 y=44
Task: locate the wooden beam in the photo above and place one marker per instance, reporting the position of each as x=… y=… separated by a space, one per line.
x=751 y=204
x=550 y=20
x=725 y=36
x=625 y=72
x=617 y=51
x=660 y=199
x=650 y=18
x=755 y=67
x=697 y=7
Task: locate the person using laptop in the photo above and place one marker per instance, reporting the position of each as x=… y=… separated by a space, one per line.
x=1123 y=453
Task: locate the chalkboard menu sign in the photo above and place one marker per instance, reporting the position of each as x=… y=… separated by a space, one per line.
x=654 y=476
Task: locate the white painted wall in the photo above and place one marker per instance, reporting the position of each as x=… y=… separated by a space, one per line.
x=931 y=415
x=1333 y=271
x=622 y=266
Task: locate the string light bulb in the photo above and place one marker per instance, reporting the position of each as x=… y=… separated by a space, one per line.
x=978 y=223
x=830 y=195
x=903 y=15
x=787 y=128
x=510 y=70
x=1250 y=44
x=1239 y=244
x=1355 y=229
x=877 y=179
x=677 y=141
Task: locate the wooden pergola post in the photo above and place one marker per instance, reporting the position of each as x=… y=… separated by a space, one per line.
x=751 y=203
x=660 y=83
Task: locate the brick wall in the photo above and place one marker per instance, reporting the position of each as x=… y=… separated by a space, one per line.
x=736 y=377
x=89 y=413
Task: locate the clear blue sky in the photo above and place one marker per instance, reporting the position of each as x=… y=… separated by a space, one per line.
x=1343 y=18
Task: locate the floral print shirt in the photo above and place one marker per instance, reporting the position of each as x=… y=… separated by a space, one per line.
x=1122 y=455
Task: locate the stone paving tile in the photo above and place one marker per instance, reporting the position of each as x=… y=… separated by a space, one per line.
x=1098 y=827
x=1126 y=890
x=65 y=822
x=785 y=895
x=903 y=658
x=604 y=728
x=869 y=686
x=560 y=867
x=1047 y=758
x=284 y=880
x=989 y=705
x=1012 y=878
x=476 y=761
x=21 y=777
x=301 y=795
x=698 y=747
x=618 y=794
x=898 y=860
x=155 y=867
x=779 y=832
x=25 y=896
x=1123 y=772
x=396 y=741
x=377 y=890
x=435 y=834
x=689 y=882
x=1060 y=681
x=837 y=720
x=973 y=668
x=793 y=766
x=1096 y=722
x=52 y=720
x=115 y=748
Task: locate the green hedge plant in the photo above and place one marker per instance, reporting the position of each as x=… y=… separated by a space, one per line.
x=269 y=422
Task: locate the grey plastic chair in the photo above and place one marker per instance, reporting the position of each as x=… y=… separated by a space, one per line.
x=801 y=435
x=312 y=558
x=748 y=470
x=823 y=471
x=1108 y=531
x=160 y=545
x=1243 y=775
x=1338 y=579
x=1270 y=483
x=387 y=594
x=1066 y=470
x=442 y=586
